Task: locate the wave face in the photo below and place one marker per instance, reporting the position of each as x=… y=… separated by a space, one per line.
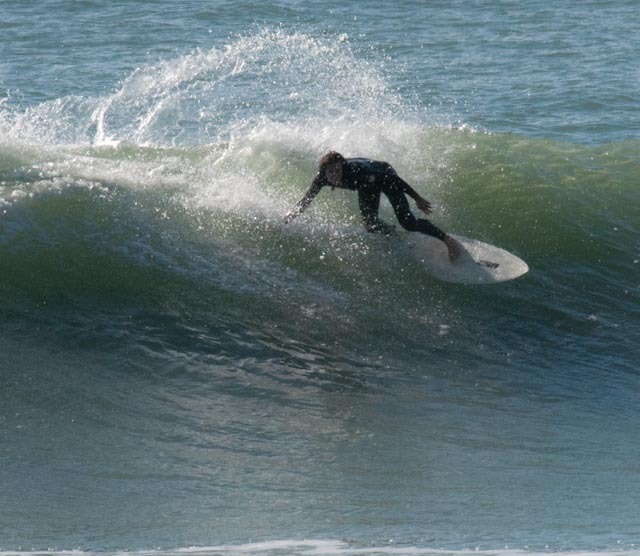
x=181 y=362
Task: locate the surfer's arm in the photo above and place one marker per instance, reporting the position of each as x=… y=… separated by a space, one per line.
x=421 y=202
x=309 y=196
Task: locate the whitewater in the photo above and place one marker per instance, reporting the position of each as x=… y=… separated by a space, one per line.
x=184 y=373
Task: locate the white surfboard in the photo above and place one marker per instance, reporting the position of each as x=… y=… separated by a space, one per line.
x=479 y=262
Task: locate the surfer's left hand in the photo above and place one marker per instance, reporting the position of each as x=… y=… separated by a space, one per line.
x=423 y=205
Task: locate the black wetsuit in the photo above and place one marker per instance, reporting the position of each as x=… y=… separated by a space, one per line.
x=370 y=178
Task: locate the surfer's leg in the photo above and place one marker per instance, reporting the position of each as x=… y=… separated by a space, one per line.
x=369 y=203
x=406 y=218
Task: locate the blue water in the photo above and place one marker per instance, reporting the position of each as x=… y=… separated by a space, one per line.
x=183 y=373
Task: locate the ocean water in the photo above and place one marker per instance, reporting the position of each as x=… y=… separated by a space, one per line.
x=184 y=374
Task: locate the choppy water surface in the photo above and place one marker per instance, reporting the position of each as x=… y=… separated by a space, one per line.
x=183 y=373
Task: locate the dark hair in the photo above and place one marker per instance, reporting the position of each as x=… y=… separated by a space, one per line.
x=329 y=158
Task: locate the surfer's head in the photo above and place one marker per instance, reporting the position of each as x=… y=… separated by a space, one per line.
x=330 y=167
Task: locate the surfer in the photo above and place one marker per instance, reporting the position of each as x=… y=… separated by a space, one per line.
x=370 y=178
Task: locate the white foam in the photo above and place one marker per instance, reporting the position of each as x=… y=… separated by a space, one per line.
x=291 y=547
